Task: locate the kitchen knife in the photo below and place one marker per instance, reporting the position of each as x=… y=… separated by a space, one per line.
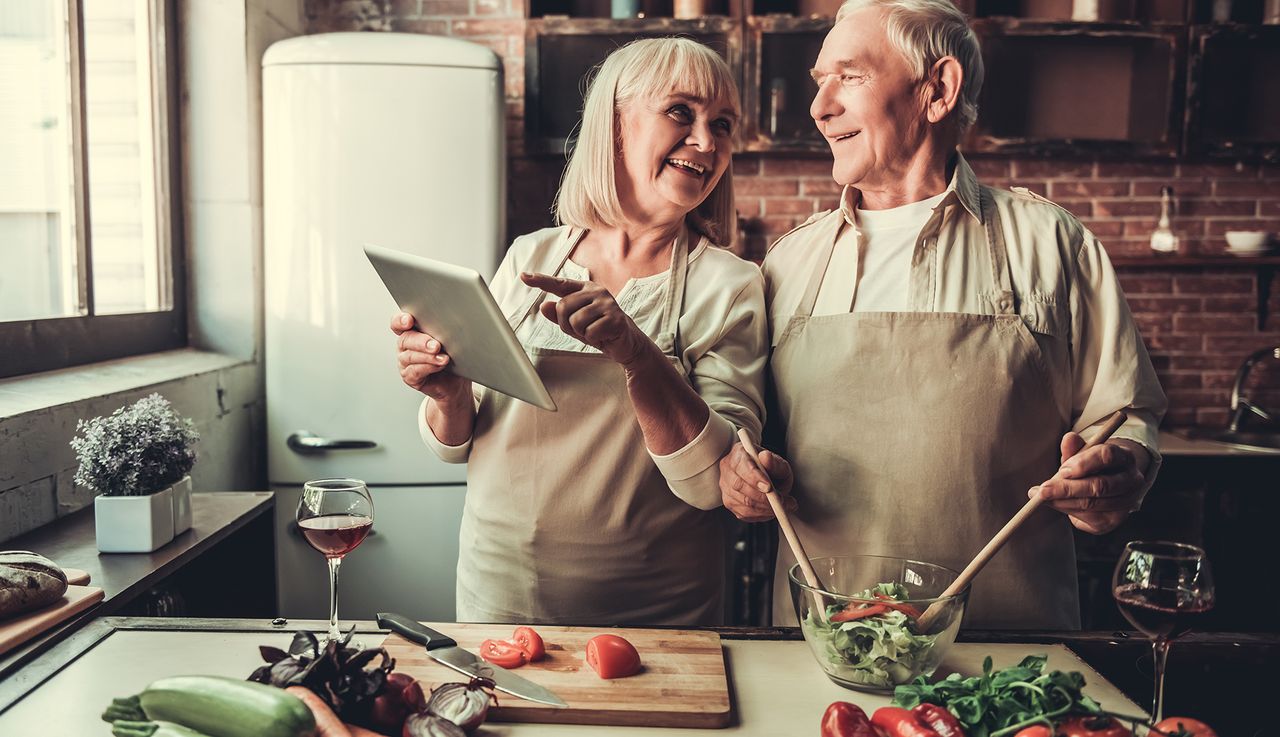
x=445 y=651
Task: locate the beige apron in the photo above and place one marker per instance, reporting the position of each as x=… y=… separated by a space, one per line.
x=918 y=434
x=567 y=519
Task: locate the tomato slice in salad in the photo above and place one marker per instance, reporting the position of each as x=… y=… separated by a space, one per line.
x=858 y=611
x=503 y=654
x=531 y=642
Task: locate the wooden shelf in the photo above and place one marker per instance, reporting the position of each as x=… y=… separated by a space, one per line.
x=1264 y=270
x=1185 y=262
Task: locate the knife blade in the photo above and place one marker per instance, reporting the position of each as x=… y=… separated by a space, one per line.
x=445 y=651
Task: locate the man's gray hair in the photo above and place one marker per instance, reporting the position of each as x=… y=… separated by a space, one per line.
x=925 y=31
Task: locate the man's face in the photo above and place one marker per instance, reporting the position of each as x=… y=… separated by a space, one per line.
x=869 y=107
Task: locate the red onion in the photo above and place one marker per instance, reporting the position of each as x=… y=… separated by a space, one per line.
x=423 y=724
x=464 y=704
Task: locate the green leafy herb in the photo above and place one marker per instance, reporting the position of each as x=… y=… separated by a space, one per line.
x=999 y=703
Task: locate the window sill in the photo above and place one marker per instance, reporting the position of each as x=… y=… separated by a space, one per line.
x=34 y=392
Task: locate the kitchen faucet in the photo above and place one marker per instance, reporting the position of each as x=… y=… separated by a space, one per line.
x=1240 y=405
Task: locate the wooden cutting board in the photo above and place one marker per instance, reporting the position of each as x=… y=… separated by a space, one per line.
x=76 y=577
x=682 y=683
x=15 y=631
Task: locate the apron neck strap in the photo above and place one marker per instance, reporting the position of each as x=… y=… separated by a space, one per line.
x=550 y=261
x=674 y=303
x=1002 y=297
x=828 y=246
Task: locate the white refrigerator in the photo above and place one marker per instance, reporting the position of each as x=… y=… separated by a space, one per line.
x=397 y=140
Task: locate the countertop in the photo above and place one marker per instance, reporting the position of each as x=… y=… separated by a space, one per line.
x=775 y=687
x=1172 y=444
x=70 y=542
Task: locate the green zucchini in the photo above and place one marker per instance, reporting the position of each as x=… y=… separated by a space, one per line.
x=123 y=728
x=227 y=707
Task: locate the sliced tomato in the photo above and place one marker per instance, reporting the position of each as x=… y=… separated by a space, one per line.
x=858 y=611
x=503 y=654
x=531 y=642
x=1185 y=727
x=1035 y=730
x=892 y=603
x=612 y=656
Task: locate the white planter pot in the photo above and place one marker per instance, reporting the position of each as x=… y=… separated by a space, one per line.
x=133 y=524
x=181 y=505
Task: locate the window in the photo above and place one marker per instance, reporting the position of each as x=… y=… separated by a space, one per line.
x=90 y=267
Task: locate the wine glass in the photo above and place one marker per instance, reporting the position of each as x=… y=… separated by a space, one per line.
x=335 y=515
x=1162 y=588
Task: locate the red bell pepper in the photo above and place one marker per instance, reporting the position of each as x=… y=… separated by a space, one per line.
x=857 y=611
x=901 y=723
x=939 y=719
x=843 y=719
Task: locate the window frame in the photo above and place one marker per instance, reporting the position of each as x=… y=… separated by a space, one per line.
x=44 y=344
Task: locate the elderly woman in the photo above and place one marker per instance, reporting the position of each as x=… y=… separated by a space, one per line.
x=654 y=354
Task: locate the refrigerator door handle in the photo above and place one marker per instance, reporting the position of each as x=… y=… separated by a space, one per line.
x=306 y=443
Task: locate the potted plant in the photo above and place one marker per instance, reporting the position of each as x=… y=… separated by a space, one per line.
x=136 y=460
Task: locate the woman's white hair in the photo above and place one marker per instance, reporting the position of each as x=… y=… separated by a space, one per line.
x=925 y=31
x=641 y=71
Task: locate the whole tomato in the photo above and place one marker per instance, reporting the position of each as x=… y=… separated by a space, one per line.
x=1092 y=726
x=612 y=657
x=1185 y=727
x=1035 y=730
x=843 y=719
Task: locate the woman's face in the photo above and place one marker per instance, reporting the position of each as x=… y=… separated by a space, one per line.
x=674 y=151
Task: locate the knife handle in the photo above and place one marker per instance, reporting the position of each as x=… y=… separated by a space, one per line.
x=419 y=633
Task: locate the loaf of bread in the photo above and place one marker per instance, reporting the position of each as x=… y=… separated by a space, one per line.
x=28 y=581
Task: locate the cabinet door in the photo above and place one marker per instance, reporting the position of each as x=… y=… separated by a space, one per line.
x=407 y=564
x=1233 y=92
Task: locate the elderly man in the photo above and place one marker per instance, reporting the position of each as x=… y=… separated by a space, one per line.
x=939 y=346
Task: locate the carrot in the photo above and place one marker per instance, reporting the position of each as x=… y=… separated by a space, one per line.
x=327 y=723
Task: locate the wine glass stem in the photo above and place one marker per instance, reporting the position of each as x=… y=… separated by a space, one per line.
x=334 y=562
x=1160 y=652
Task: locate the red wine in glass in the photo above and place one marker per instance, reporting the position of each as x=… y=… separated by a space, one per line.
x=1163 y=589
x=336 y=534
x=335 y=515
x=1160 y=613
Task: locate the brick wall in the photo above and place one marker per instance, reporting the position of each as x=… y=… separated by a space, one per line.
x=1198 y=323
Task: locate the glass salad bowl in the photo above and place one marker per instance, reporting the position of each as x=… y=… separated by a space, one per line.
x=861 y=627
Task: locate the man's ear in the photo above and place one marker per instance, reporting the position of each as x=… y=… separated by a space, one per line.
x=942 y=88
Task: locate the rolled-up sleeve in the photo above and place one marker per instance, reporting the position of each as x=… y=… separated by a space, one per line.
x=446 y=453
x=1111 y=369
x=728 y=373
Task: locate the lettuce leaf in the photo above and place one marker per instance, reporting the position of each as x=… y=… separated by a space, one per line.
x=879 y=651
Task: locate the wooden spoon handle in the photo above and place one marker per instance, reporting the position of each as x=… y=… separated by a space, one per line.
x=779 y=511
x=988 y=551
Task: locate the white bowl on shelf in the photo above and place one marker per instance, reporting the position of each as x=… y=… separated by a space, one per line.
x=1248 y=242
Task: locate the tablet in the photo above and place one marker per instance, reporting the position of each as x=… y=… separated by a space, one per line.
x=453 y=304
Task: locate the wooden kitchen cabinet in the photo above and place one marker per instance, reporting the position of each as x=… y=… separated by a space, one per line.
x=1033 y=101
x=1233 y=92
x=560 y=54
x=776 y=87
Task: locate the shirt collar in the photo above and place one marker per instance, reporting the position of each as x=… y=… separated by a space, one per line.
x=963 y=188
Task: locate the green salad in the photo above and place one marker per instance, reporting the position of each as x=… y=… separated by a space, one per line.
x=870 y=641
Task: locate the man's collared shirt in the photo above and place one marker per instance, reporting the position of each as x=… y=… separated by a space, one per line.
x=1065 y=289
